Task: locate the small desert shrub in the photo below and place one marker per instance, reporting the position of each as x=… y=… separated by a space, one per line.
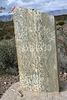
x=60 y=23
x=6 y=30
x=8 y=58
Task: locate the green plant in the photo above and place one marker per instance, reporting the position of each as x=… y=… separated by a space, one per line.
x=6 y=30
x=8 y=56
x=60 y=23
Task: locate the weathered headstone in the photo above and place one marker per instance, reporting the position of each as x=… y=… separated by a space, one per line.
x=36 y=50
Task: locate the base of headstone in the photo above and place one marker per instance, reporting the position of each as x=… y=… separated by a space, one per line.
x=13 y=94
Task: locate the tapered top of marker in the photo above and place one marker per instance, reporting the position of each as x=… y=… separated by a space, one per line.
x=13 y=8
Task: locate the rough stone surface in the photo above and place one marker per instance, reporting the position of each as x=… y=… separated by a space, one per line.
x=13 y=94
x=36 y=50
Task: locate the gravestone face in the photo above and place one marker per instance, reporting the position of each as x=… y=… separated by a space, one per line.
x=36 y=50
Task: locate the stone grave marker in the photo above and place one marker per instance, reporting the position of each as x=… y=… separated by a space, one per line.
x=36 y=50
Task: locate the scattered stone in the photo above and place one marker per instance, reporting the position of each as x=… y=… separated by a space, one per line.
x=9 y=80
x=5 y=83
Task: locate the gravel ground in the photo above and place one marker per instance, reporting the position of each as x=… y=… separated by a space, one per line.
x=6 y=82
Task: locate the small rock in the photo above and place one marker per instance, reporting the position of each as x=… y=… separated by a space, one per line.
x=5 y=83
x=65 y=75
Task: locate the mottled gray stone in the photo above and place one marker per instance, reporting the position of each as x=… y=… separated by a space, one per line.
x=36 y=50
x=13 y=93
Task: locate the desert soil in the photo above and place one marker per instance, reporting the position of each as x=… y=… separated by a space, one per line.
x=6 y=82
